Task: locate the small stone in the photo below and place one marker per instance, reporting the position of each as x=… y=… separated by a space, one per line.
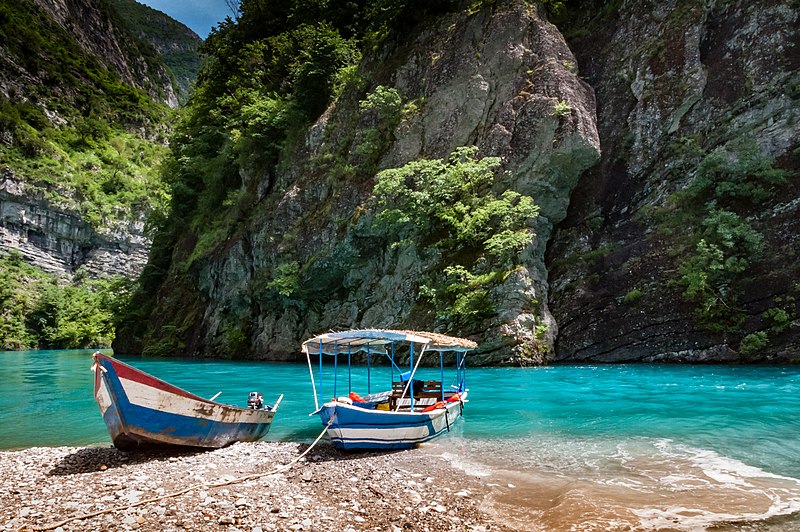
x=439 y=508
x=359 y=519
x=102 y=467
x=226 y=520
x=240 y=502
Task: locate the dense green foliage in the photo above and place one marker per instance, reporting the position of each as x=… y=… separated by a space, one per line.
x=266 y=77
x=718 y=243
x=450 y=207
x=39 y=311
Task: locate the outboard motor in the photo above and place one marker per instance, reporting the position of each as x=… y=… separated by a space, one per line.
x=255 y=401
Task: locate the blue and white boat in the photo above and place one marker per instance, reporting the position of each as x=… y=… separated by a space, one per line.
x=409 y=411
x=140 y=409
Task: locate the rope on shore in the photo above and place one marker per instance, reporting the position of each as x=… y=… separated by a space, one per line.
x=205 y=485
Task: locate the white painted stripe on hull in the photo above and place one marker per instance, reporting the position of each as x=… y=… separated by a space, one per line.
x=396 y=434
x=155 y=399
x=102 y=397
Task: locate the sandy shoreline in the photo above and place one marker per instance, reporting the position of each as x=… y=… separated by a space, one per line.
x=326 y=490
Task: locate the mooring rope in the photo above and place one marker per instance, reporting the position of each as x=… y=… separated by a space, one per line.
x=206 y=485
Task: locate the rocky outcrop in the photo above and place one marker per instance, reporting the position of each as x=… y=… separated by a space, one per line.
x=60 y=242
x=624 y=267
x=493 y=79
x=676 y=81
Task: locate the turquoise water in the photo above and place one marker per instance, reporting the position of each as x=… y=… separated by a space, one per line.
x=586 y=447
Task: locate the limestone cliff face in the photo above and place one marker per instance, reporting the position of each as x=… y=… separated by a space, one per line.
x=59 y=241
x=492 y=79
x=676 y=81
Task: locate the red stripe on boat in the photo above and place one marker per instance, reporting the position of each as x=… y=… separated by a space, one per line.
x=125 y=371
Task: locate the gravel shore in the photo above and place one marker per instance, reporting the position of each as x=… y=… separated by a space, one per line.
x=326 y=490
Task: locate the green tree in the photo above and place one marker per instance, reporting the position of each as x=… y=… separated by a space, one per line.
x=450 y=206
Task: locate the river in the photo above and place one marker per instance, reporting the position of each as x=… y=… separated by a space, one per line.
x=608 y=447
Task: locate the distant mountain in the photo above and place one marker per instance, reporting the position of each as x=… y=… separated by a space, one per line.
x=177 y=44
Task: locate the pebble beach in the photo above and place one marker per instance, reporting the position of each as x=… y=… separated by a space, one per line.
x=237 y=488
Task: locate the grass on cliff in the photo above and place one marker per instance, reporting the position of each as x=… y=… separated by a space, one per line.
x=81 y=139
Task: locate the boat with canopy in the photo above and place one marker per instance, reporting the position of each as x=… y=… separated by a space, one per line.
x=409 y=410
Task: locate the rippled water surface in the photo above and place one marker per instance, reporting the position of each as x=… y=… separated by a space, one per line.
x=614 y=447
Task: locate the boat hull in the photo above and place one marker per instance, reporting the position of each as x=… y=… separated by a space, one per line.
x=357 y=428
x=139 y=409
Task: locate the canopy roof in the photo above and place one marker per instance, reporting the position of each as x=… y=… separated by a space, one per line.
x=375 y=341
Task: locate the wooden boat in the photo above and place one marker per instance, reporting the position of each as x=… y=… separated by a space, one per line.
x=140 y=409
x=408 y=412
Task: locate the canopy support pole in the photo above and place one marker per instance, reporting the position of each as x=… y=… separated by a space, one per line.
x=391 y=366
x=311 y=374
x=411 y=378
x=441 y=372
x=320 y=367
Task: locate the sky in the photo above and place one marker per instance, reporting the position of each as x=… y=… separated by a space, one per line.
x=199 y=15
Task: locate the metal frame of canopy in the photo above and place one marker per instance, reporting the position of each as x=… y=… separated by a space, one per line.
x=376 y=341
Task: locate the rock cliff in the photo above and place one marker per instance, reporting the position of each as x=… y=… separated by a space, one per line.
x=493 y=79
x=687 y=91
x=677 y=244
x=59 y=241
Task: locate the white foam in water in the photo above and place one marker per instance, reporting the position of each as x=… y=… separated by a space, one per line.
x=641 y=483
x=725 y=478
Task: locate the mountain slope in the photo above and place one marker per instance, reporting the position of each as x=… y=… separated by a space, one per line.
x=84 y=119
x=175 y=43
x=276 y=229
x=321 y=182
